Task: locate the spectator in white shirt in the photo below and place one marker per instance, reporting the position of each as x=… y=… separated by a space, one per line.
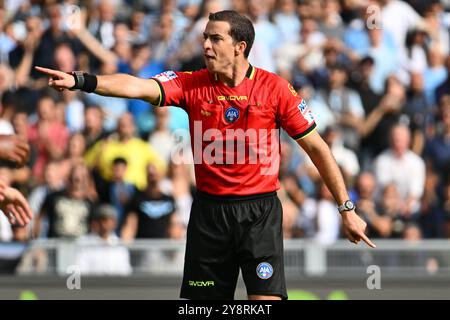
x=100 y=252
x=404 y=168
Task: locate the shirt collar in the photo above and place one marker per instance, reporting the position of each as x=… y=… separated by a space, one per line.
x=249 y=74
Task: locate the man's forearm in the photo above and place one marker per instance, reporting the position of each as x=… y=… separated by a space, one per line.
x=325 y=163
x=120 y=85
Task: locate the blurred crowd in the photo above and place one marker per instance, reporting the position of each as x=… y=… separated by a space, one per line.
x=375 y=74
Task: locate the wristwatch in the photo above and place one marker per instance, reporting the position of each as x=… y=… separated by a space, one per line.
x=346 y=206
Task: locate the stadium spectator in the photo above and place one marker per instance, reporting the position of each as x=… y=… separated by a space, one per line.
x=54 y=180
x=345 y=157
x=93 y=125
x=151 y=214
x=345 y=104
x=328 y=224
x=400 y=166
x=286 y=19
x=434 y=74
x=68 y=211
x=100 y=252
x=161 y=139
x=391 y=206
x=124 y=144
x=444 y=87
x=102 y=24
x=74 y=153
x=48 y=136
x=437 y=149
x=379 y=223
x=118 y=192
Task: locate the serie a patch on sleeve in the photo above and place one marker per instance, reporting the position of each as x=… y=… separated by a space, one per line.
x=306 y=111
x=166 y=76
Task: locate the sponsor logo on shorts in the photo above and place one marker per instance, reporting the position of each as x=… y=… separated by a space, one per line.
x=264 y=270
x=201 y=283
x=231 y=114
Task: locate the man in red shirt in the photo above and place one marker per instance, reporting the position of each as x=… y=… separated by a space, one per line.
x=234 y=111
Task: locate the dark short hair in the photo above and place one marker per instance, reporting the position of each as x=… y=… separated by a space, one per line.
x=119 y=160
x=241 y=28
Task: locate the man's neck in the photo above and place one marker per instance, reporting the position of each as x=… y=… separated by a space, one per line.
x=235 y=75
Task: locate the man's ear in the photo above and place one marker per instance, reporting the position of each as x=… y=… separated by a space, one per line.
x=240 y=47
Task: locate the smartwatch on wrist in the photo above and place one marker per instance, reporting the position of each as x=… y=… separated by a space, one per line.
x=346 y=206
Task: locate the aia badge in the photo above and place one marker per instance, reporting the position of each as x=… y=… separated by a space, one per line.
x=264 y=270
x=231 y=114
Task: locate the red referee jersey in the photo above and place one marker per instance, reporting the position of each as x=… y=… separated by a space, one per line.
x=235 y=130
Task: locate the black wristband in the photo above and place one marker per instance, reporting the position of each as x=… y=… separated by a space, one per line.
x=84 y=81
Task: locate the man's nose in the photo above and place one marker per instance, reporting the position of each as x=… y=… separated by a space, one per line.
x=206 y=44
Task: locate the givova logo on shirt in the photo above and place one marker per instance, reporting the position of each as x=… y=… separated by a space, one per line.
x=264 y=270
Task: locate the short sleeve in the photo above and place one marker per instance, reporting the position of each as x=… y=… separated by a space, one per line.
x=293 y=112
x=171 y=84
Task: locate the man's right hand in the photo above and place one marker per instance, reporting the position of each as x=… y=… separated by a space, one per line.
x=14 y=149
x=58 y=80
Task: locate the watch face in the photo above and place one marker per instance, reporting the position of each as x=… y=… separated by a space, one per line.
x=349 y=205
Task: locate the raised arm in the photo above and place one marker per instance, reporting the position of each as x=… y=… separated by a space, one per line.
x=115 y=85
x=325 y=163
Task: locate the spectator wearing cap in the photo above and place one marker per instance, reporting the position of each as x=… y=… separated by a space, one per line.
x=100 y=252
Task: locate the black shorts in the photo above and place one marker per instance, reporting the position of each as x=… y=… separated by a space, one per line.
x=226 y=234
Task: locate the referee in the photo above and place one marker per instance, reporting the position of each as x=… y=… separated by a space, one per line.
x=236 y=217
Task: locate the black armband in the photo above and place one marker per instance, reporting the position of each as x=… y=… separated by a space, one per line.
x=84 y=81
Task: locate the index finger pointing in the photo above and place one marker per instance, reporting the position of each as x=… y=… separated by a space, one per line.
x=367 y=240
x=50 y=72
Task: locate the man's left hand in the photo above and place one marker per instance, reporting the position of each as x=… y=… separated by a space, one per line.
x=354 y=228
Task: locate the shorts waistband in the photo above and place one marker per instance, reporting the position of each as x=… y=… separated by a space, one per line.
x=234 y=198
